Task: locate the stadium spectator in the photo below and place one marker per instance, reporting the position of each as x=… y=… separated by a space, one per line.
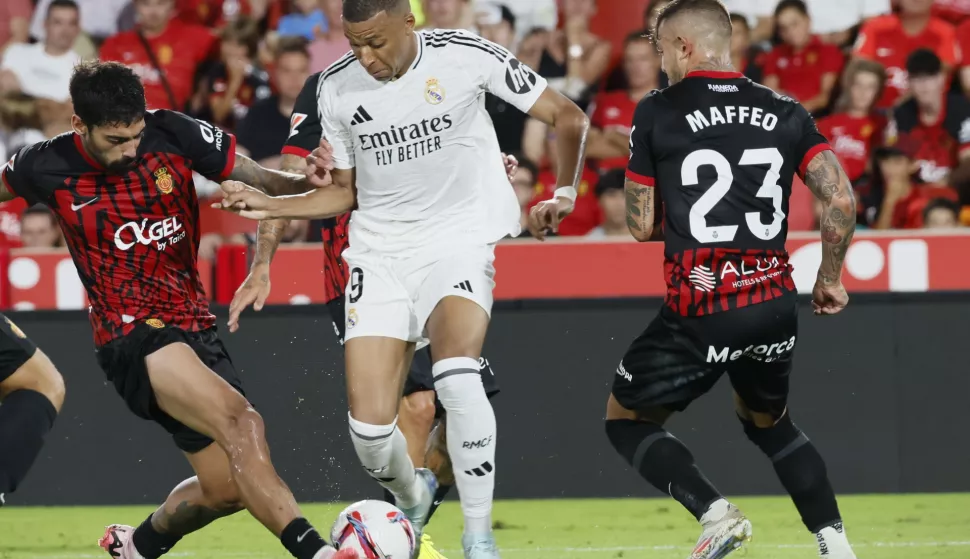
x=43 y=70
x=575 y=59
x=744 y=56
x=448 y=14
x=263 y=131
x=164 y=52
x=834 y=21
x=329 y=45
x=650 y=14
x=305 y=19
x=896 y=200
x=14 y=22
x=854 y=129
x=532 y=15
x=890 y=39
x=802 y=66
x=20 y=123
x=524 y=184
x=39 y=228
x=531 y=47
x=933 y=127
x=236 y=82
x=216 y=13
x=612 y=112
x=496 y=22
x=963 y=33
x=953 y=11
x=760 y=16
x=99 y=18
x=612 y=201
x=941 y=213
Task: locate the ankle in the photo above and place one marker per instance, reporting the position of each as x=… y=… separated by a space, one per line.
x=478 y=526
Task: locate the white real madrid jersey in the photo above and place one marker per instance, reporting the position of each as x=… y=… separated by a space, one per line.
x=429 y=168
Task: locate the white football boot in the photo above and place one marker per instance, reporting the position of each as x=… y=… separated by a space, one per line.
x=721 y=535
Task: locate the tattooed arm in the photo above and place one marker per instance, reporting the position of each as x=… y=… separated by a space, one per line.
x=828 y=182
x=274 y=183
x=639 y=210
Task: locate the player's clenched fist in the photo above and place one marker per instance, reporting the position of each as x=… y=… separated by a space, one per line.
x=546 y=215
x=511 y=165
x=245 y=200
x=319 y=165
x=829 y=297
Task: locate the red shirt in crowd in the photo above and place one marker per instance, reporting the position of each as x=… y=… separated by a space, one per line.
x=800 y=73
x=852 y=139
x=883 y=40
x=938 y=146
x=953 y=11
x=586 y=214
x=10 y=213
x=908 y=212
x=963 y=37
x=211 y=13
x=613 y=109
x=179 y=51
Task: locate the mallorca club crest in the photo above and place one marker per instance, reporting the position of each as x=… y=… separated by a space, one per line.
x=163 y=180
x=155 y=323
x=434 y=93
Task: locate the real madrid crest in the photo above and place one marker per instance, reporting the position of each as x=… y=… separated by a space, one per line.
x=163 y=180
x=351 y=318
x=433 y=92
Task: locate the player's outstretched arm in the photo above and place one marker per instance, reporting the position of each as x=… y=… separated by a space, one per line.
x=828 y=182
x=321 y=203
x=639 y=210
x=274 y=183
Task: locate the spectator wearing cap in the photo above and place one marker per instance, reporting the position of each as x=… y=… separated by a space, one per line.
x=39 y=228
x=612 y=201
x=890 y=39
x=802 y=66
x=896 y=200
x=612 y=111
x=163 y=51
x=575 y=59
x=328 y=46
x=941 y=213
x=14 y=22
x=855 y=129
x=933 y=127
x=236 y=81
x=747 y=58
x=263 y=131
x=496 y=22
x=305 y=19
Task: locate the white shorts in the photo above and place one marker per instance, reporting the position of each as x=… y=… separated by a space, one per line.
x=392 y=296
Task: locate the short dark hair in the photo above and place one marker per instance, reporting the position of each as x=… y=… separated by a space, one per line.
x=636 y=36
x=737 y=18
x=39 y=209
x=243 y=30
x=61 y=4
x=356 y=11
x=798 y=5
x=528 y=165
x=292 y=44
x=941 y=203
x=923 y=62
x=614 y=179
x=107 y=93
x=712 y=7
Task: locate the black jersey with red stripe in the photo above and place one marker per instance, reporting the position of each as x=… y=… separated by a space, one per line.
x=133 y=234
x=305 y=133
x=723 y=151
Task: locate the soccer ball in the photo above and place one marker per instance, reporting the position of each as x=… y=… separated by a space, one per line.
x=376 y=530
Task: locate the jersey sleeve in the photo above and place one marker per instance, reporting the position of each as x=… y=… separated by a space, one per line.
x=20 y=176
x=305 y=127
x=958 y=121
x=335 y=131
x=810 y=141
x=211 y=151
x=499 y=72
x=640 y=169
x=948 y=50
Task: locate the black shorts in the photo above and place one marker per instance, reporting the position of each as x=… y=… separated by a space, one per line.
x=420 y=377
x=678 y=359
x=123 y=361
x=15 y=348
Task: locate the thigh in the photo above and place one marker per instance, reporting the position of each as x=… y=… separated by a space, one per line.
x=662 y=368
x=376 y=302
x=375 y=374
x=16 y=350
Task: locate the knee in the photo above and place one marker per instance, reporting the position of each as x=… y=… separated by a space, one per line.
x=239 y=424
x=776 y=438
x=458 y=383
x=40 y=375
x=222 y=496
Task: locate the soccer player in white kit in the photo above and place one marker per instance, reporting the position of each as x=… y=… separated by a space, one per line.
x=415 y=150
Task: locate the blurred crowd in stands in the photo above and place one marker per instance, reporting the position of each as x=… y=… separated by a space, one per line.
x=888 y=81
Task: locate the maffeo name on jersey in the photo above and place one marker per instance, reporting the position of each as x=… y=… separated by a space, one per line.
x=405 y=143
x=765 y=352
x=731 y=114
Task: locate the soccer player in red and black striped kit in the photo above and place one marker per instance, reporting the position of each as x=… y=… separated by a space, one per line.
x=420 y=413
x=723 y=151
x=121 y=187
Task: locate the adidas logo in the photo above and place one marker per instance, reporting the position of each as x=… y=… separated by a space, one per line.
x=481 y=471
x=465 y=286
x=361 y=117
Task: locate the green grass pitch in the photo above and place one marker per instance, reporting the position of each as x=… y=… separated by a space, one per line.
x=881 y=527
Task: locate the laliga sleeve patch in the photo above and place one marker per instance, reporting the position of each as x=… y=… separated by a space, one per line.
x=519 y=77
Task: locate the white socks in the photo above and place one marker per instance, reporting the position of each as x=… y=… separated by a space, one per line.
x=832 y=543
x=383 y=452
x=471 y=438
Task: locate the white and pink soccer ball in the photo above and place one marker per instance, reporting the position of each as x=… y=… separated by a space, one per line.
x=376 y=530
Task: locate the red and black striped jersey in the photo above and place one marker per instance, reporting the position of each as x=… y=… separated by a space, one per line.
x=133 y=234
x=305 y=133
x=723 y=151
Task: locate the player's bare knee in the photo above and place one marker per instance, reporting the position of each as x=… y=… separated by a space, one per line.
x=40 y=375
x=239 y=426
